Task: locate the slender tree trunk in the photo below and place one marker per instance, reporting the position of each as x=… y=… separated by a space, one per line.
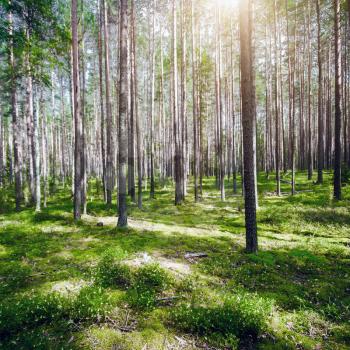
x=277 y=146
x=152 y=81
x=30 y=128
x=37 y=156
x=337 y=99
x=320 y=143
x=78 y=167
x=109 y=121
x=131 y=129
x=44 y=148
x=310 y=146
x=123 y=109
x=249 y=124
x=194 y=99
x=102 y=115
x=15 y=120
x=179 y=194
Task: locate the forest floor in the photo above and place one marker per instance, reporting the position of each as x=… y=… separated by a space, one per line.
x=92 y=286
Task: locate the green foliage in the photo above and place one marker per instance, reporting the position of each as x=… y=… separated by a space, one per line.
x=91 y=303
x=152 y=277
x=240 y=315
x=149 y=280
x=302 y=264
x=13 y=275
x=142 y=299
x=111 y=272
x=28 y=311
x=345 y=174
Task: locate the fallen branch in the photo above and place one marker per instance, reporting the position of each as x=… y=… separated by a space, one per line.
x=195 y=255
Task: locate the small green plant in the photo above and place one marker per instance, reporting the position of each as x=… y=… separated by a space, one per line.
x=111 y=272
x=142 y=299
x=152 y=277
x=241 y=315
x=14 y=275
x=30 y=311
x=149 y=280
x=91 y=303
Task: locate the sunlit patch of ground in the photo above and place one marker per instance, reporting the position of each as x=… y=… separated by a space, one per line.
x=69 y=287
x=302 y=268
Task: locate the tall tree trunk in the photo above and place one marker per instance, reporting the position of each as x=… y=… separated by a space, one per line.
x=102 y=115
x=15 y=120
x=278 y=122
x=30 y=128
x=183 y=92
x=337 y=98
x=78 y=166
x=44 y=148
x=109 y=121
x=136 y=114
x=194 y=99
x=310 y=146
x=131 y=129
x=152 y=82
x=320 y=143
x=123 y=109
x=37 y=156
x=179 y=195
x=249 y=124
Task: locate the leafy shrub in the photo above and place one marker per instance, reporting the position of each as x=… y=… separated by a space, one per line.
x=91 y=303
x=142 y=299
x=30 y=311
x=149 y=280
x=14 y=275
x=111 y=272
x=240 y=315
x=152 y=277
x=345 y=174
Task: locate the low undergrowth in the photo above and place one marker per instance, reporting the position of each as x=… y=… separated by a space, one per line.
x=82 y=286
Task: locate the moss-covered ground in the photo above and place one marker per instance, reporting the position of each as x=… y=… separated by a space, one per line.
x=87 y=285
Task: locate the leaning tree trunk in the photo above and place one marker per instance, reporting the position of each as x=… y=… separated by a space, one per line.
x=249 y=124
x=123 y=110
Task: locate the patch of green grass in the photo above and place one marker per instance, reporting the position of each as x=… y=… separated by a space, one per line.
x=303 y=265
x=240 y=315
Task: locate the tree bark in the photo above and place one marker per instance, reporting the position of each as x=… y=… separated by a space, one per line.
x=320 y=143
x=78 y=167
x=277 y=116
x=15 y=120
x=109 y=121
x=102 y=115
x=123 y=109
x=249 y=124
x=337 y=101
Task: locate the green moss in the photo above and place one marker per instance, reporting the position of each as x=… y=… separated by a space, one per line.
x=303 y=265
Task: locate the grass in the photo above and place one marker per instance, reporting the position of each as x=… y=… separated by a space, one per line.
x=66 y=285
